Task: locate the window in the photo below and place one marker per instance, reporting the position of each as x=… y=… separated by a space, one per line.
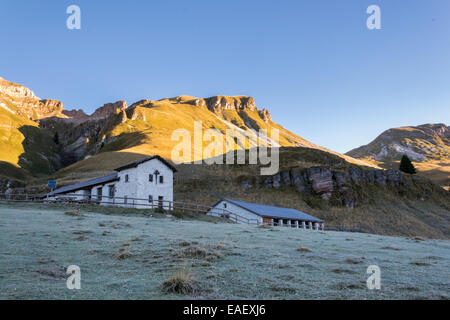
x=112 y=190
x=126 y=178
x=161 y=179
x=160 y=201
x=150 y=198
x=150 y=177
x=225 y=205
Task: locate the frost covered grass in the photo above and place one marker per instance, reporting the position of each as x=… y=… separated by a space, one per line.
x=140 y=257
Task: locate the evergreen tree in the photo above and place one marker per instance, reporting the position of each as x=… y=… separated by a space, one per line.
x=406 y=165
x=56 y=138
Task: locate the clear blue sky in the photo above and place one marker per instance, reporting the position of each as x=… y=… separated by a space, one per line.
x=314 y=64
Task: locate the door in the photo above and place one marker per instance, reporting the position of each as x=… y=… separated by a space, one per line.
x=99 y=194
x=160 y=202
x=111 y=193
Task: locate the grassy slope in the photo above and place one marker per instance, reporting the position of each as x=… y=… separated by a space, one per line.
x=435 y=166
x=24 y=146
x=232 y=261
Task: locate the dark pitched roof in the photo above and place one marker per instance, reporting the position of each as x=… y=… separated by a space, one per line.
x=138 y=162
x=84 y=184
x=273 y=212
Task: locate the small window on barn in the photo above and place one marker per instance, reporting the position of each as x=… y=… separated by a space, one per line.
x=224 y=205
x=161 y=179
x=150 y=198
x=126 y=178
x=150 y=177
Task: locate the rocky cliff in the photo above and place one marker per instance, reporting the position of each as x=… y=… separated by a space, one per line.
x=15 y=90
x=338 y=183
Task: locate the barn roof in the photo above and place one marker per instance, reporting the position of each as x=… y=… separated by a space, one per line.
x=273 y=211
x=133 y=164
x=84 y=184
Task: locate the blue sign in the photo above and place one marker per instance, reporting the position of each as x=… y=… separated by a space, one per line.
x=52 y=184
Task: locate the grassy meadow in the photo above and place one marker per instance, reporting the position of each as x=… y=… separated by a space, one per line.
x=128 y=254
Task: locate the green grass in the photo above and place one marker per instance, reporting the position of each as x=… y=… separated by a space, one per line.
x=137 y=257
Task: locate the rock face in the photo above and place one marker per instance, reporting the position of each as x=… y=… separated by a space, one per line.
x=49 y=107
x=15 y=90
x=108 y=109
x=26 y=104
x=320 y=179
x=76 y=115
x=217 y=104
x=326 y=182
x=265 y=115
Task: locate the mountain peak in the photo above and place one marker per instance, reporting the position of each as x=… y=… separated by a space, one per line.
x=15 y=90
x=427 y=144
x=109 y=108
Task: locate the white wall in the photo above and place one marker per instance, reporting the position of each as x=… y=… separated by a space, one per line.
x=79 y=195
x=237 y=210
x=139 y=186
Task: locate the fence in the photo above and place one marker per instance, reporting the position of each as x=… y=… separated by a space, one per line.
x=127 y=202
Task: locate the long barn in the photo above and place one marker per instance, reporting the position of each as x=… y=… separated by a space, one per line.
x=247 y=212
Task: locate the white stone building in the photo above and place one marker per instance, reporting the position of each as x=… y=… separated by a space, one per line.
x=145 y=183
x=253 y=213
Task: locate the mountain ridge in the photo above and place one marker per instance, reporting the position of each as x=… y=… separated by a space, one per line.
x=427 y=145
x=144 y=127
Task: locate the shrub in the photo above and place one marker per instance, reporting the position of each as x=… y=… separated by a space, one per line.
x=199 y=252
x=180 y=283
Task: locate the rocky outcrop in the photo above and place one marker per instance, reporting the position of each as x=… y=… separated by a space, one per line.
x=76 y=116
x=217 y=104
x=49 y=107
x=265 y=115
x=108 y=109
x=321 y=179
x=220 y=103
x=15 y=90
x=328 y=183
